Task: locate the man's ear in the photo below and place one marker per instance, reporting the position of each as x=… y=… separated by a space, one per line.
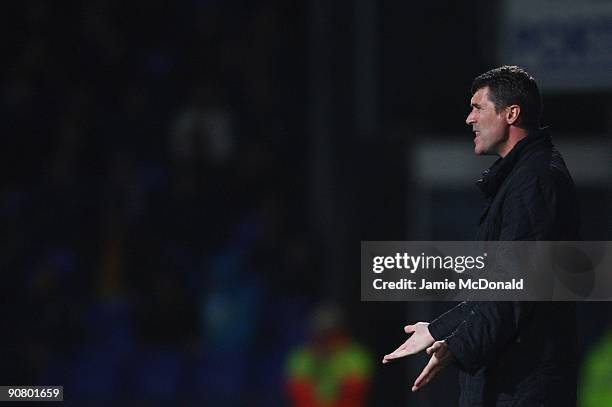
x=512 y=114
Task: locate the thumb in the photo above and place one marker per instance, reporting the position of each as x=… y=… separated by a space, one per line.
x=409 y=329
x=433 y=348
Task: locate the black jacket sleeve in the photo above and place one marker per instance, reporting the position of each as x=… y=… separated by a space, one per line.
x=448 y=322
x=489 y=328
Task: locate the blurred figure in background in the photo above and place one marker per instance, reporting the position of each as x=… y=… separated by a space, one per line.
x=596 y=385
x=330 y=369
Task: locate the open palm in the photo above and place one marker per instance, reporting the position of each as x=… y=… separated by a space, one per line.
x=420 y=340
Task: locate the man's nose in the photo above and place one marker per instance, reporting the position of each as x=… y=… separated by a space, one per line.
x=469 y=119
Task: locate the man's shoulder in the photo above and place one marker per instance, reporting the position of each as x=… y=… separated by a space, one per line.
x=546 y=166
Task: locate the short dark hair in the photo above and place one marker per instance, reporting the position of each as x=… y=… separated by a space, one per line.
x=512 y=85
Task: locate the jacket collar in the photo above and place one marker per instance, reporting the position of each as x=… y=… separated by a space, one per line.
x=494 y=176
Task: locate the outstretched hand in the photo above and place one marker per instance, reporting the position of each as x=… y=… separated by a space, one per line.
x=440 y=358
x=418 y=341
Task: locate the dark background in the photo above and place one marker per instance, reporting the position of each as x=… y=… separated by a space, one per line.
x=183 y=183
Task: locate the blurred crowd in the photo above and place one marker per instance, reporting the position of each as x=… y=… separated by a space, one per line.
x=154 y=237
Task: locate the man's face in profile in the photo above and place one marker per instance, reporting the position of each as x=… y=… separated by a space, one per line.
x=489 y=127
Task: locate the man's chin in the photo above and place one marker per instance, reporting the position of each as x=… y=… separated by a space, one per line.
x=480 y=151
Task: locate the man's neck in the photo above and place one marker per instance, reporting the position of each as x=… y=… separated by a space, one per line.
x=515 y=134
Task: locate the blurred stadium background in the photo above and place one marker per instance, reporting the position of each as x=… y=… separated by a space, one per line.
x=185 y=186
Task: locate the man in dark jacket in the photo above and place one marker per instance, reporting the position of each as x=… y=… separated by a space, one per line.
x=510 y=353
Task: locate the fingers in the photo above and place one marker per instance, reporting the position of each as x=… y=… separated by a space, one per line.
x=433 y=348
x=397 y=353
x=391 y=356
x=426 y=376
x=394 y=355
x=437 y=362
x=387 y=358
x=414 y=344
